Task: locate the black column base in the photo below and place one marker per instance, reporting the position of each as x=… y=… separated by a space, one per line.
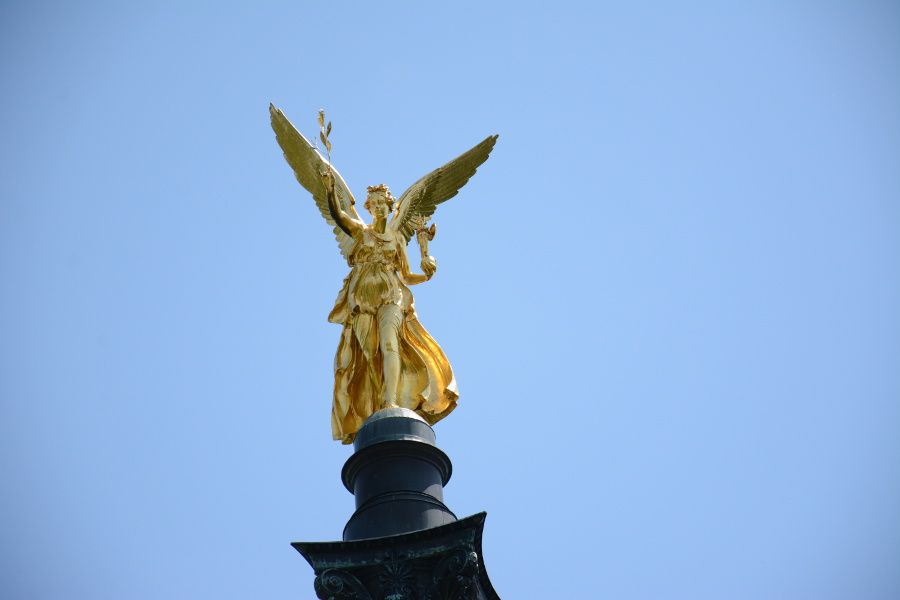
x=440 y=563
x=397 y=475
x=402 y=542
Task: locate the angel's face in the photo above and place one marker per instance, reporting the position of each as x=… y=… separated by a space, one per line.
x=378 y=205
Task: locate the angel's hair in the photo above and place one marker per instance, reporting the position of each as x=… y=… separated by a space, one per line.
x=385 y=191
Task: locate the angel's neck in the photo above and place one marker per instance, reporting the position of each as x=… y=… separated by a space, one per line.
x=379 y=224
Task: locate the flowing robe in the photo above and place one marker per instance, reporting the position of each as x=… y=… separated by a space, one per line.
x=426 y=385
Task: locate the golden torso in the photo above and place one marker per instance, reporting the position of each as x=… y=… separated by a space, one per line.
x=374 y=279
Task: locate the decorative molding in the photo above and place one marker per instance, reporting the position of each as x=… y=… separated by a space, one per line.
x=456 y=575
x=334 y=584
x=441 y=563
x=397 y=579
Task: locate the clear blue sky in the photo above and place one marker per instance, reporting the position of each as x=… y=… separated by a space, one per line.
x=671 y=297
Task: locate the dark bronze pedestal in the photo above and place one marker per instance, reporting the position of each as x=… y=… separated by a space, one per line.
x=402 y=542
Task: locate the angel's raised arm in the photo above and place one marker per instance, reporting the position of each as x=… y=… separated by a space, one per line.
x=348 y=224
x=321 y=179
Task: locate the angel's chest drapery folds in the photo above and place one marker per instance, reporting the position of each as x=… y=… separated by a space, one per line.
x=373 y=281
x=374 y=247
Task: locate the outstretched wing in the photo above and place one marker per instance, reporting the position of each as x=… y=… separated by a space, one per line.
x=308 y=165
x=440 y=185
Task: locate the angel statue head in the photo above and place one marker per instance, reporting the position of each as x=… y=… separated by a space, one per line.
x=379 y=200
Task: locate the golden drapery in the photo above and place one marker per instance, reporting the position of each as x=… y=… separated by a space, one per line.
x=426 y=385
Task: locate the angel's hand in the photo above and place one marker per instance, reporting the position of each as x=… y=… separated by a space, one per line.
x=328 y=180
x=429 y=266
x=417 y=222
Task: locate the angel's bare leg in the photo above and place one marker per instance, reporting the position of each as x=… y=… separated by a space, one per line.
x=389 y=319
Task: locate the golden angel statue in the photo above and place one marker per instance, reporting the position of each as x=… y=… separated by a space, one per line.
x=385 y=357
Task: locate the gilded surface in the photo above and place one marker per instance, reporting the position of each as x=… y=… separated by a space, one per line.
x=385 y=357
